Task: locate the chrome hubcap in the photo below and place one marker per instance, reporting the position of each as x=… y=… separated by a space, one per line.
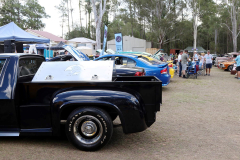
x=90 y=127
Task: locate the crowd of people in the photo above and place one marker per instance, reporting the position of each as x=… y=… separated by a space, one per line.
x=204 y=60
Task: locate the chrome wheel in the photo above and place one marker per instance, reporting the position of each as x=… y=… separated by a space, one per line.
x=88 y=129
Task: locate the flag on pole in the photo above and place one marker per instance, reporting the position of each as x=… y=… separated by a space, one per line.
x=104 y=40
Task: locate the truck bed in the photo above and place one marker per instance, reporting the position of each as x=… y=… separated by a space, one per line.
x=147 y=89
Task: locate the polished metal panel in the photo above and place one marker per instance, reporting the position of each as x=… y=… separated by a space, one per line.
x=74 y=71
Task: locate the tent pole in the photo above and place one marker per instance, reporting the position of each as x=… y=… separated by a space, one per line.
x=49 y=49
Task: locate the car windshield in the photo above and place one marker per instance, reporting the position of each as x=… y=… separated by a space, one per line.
x=150 y=62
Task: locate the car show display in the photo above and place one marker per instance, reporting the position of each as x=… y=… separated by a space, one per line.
x=83 y=109
x=152 y=68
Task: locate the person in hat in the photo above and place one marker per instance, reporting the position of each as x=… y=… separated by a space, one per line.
x=208 y=59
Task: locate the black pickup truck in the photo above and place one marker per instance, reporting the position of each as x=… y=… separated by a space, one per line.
x=85 y=110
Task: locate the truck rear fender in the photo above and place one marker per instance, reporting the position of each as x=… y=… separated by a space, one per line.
x=124 y=104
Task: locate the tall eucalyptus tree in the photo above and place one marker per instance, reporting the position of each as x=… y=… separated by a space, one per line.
x=99 y=8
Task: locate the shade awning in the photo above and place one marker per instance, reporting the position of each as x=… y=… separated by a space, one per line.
x=12 y=32
x=59 y=46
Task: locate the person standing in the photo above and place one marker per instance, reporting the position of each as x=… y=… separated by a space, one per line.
x=66 y=52
x=179 y=63
x=162 y=58
x=202 y=64
x=238 y=66
x=195 y=56
x=208 y=59
x=184 y=61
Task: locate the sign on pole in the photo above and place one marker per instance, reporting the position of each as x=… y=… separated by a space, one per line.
x=104 y=40
x=119 y=42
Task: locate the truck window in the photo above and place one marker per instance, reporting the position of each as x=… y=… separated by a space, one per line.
x=29 y=66
x=2 y=62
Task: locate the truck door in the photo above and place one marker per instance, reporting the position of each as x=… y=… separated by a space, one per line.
x=8 y=114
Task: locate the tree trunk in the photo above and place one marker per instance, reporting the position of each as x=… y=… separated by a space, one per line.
x=195 y=20
x=234 y=27
x=227 y=41
x=86 y=20
x=98 y=19
x=71 y=12
x=130 y=8
x=98 y=36
x=80 y=14
x=216 y=35
x=89 y=19
x=68 y=18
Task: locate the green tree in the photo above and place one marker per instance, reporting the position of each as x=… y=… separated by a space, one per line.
x=34 y=13
x=11 y=11
x=26 y=15
x=77 y=32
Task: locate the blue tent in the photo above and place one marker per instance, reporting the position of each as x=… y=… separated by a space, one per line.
x=12 y=32
x=38 y=46
x=41 y=46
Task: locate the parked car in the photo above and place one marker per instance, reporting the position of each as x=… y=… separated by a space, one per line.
x=34 y=105
x=152 y=68
x=228 y=57
x=170 y=64
x=120 y=70
x=61 y=58
x=227 y=65
x=142 y=53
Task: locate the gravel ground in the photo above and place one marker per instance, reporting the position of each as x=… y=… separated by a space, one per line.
x=199 y=119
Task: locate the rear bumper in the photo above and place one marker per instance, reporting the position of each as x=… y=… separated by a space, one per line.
x=165 y=78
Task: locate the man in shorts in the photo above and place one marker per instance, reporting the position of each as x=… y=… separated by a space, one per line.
x=238 y=66
x=208 y=59
x=184 y=61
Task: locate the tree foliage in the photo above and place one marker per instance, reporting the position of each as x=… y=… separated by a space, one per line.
x=168 y=23
x=27 y=14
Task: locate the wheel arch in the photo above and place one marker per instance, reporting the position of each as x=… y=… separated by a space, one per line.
x=67 y=108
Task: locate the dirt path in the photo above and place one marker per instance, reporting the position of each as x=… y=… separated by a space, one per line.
x=199 y=119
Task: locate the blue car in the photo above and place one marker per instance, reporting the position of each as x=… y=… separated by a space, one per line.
x=152 y=68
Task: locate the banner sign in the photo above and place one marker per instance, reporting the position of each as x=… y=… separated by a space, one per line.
x=104 y=40
x=119 y=42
